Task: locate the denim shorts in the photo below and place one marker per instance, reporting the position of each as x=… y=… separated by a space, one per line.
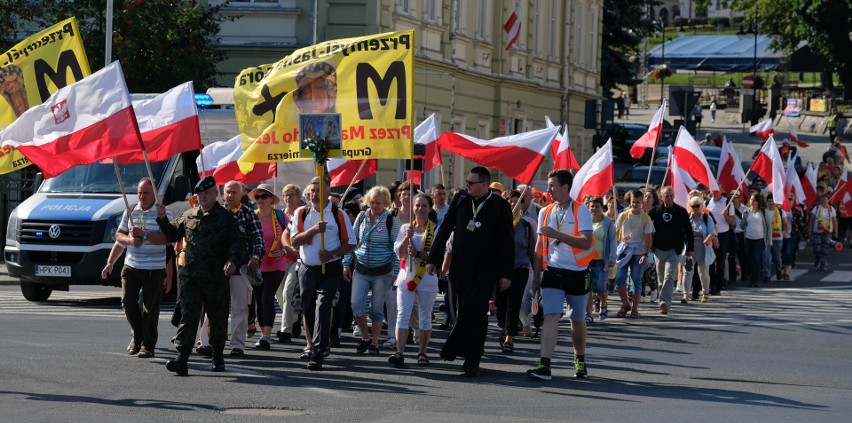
x=361 y=286
x=599 y=275
x=552 y=300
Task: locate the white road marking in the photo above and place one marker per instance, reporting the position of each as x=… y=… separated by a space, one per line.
x=838 y=276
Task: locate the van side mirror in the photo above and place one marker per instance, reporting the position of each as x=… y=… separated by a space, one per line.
x=182 y=187
x=39 y=178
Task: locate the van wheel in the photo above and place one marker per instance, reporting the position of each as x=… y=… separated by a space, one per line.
x=35 y=291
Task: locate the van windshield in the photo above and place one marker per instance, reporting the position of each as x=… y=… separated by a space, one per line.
x=100 y=178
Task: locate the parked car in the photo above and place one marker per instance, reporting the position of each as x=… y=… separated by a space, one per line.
x=639 y=173
x=625 y=135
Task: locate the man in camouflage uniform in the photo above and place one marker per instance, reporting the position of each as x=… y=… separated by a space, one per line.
x=213 y=244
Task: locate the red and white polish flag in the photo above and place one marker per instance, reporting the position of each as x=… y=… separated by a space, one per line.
x=730 y=172
x=597 y=176
x=650 y=138
x=80 y=124
x=220 y=159
x=795 y=138
x=793 y=185
x=563 y=156
x=426 y=134
x=809 y=184
x=769 y=166
x=168 y=124
x=513 y=25
x=843 y=194
x=691 y=159
x=682 y=183
x=763 y=129
x=518 y=156
x=343 y=172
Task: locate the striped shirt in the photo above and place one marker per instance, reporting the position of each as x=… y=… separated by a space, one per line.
x=147 y=256
x=375 y=244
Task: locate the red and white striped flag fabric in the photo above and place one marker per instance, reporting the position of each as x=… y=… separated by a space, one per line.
x=649 y=140
x=344 y=172
x=795 y=138
x=80 y=124
x=168 y=124
x=426 y=134
x=769 y=166
x=691 y=159
x=809 y=184
x=220 y=160
x=682 y=183
x=763 y=129
x=518 y=156
x=597 y=176
x=843 y=194
x=563 y=156
x=793 y=185
x=513 y=25
x=730 y=172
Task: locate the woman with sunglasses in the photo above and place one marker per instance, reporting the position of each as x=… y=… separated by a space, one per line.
x=704 y=233
x=758 y=236
x=273 y=266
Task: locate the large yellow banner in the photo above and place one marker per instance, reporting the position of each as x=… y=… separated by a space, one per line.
x=34 y=69
x=368 y=80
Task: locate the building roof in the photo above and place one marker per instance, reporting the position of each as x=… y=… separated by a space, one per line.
x=722 y=53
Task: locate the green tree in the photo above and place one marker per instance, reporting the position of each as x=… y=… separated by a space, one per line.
x=824 y=24
x=160 y=43
x=625 y=24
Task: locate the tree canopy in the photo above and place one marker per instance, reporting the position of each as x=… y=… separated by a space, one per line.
x=625 y=24
x=160 y=43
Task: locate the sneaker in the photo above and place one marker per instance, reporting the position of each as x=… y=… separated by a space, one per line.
x=144 y=352
x=539 y=371
x=664 y=308
x=315 y=365
x=597 y=305
x=362 y=346
x=679 y=288
x=374 y=350
x=603 y=313
x=263 y=343
x=580 y=369
x=589 y=318
x=389 y=344
x=705 y=298
x=237 y=352
x=684 y=300
x=356 y=331
x=654 y=296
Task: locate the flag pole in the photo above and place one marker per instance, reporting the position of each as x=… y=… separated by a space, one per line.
x=123 y=193
x=651 y=165
x=410 y=262
x=203 y=166
x=737 y=191
x=441 y=169
x=151 y=175
x=518 y=204
x=354 y=178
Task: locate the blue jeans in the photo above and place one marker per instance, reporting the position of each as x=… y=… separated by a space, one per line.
x=635 y=275
x=361 y=286
x=597 y=270
x=754 y=250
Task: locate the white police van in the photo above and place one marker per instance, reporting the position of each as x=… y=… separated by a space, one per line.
x=63 y=233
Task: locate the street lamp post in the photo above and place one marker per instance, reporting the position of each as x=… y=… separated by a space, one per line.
x=662 y=59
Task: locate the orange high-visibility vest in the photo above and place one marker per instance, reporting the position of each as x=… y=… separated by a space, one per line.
x=581 y=257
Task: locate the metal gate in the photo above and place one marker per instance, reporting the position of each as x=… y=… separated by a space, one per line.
x=15 y=187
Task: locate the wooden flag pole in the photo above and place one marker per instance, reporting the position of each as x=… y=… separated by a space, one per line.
x=321 y=175
x=354 y=178
x=651 y=165
x=123 y=193
x=151 y=175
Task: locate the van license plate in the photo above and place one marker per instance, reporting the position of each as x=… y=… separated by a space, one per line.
x=57 y=271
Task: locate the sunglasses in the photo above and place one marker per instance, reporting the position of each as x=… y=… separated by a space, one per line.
x=469 y=183
x=262 y=196
x=696 y=206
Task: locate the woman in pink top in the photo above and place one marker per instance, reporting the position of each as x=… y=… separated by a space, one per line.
x=273 y=265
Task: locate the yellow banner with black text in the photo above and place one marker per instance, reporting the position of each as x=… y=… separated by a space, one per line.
x=34 y=69
x=368 y=80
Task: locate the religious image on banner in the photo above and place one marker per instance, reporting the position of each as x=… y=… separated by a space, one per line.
x=34 y=69
x=323 y=127
x=368 y=80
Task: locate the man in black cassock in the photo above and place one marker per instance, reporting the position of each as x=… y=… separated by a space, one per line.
x=483 y=256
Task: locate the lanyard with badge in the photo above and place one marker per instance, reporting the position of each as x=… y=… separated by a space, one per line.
x=560 y=219
x=474 y=224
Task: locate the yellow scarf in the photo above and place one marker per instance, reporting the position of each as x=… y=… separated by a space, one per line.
x=822 y=222
x=776 y=225
x=274 y=232
x=420 y=263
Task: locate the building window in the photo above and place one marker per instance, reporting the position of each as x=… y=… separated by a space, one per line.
x=579 y=35
x=593 y=27
x=555 y=33
x=458 y=16
x=538 y=27
x=405 y=7
x=433 y=11
x=483 y=20
x=254 y=3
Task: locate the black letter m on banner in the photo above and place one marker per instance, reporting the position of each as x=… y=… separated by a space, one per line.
x=59 y=77
x=365 y=72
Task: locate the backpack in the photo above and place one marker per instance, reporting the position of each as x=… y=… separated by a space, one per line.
x=338 y=217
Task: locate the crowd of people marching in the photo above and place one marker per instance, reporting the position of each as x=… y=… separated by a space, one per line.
x=375 y=265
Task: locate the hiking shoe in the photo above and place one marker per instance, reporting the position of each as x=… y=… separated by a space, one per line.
x=362 y=346
x=579 y=369
x=664 y=308
x=539 y=371
x=705 y=298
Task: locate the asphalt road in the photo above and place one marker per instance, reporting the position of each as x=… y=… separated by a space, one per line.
x=773 y=354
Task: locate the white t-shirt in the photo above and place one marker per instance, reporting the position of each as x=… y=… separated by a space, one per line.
x=634 y=227
x=717 y=208
x=147 y=256
x=560 y=254
x=827 y=213
x=429 y=283
x=309 y=252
